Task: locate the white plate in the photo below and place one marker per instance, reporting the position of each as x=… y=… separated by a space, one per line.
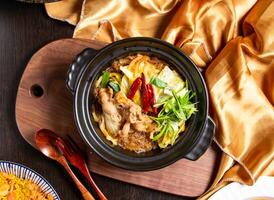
x=24 y=172
x=262 y=189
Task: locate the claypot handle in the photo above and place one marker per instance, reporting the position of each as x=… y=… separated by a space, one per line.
x=77 y=66
x=204 y=141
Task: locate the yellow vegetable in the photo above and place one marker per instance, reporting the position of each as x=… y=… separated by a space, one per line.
x=174 y=81
x=124 y=85
x=116 y=76
x=134 y=70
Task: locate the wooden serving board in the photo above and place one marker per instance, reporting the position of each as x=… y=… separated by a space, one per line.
x=43 y=101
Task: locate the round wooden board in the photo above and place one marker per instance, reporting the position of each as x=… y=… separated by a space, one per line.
x=53 y=110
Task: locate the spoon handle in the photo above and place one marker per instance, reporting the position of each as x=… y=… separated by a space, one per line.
x=85 y=193
x=85 y=171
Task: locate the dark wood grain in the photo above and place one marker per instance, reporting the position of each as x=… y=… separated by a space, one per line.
x=24 y=28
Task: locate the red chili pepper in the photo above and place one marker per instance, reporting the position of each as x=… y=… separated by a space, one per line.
x=134 y=87
x=145 y=94
x=152 y=98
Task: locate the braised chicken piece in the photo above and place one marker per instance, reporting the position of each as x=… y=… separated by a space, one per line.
x=124 y=121
x=113 y=119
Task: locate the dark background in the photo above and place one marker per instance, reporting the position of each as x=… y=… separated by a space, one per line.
x=24 y=28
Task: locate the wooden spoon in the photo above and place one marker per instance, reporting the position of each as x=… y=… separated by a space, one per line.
x=45 y=142
x=73 y=154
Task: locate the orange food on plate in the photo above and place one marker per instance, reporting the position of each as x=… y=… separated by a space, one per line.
x=14 y=188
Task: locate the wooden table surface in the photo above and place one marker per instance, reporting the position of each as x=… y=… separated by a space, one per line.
x=24 y=28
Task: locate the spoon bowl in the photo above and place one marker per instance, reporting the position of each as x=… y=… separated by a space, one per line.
x=45 y=142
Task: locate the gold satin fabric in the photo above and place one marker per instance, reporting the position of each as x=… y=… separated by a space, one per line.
x=231 y=40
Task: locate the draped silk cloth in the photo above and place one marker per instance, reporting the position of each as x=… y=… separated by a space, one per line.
x=231 y=40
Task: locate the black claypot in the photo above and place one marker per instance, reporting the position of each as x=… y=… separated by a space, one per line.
x=88 y=66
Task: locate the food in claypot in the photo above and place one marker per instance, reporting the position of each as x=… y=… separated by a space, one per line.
x=144 y=104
